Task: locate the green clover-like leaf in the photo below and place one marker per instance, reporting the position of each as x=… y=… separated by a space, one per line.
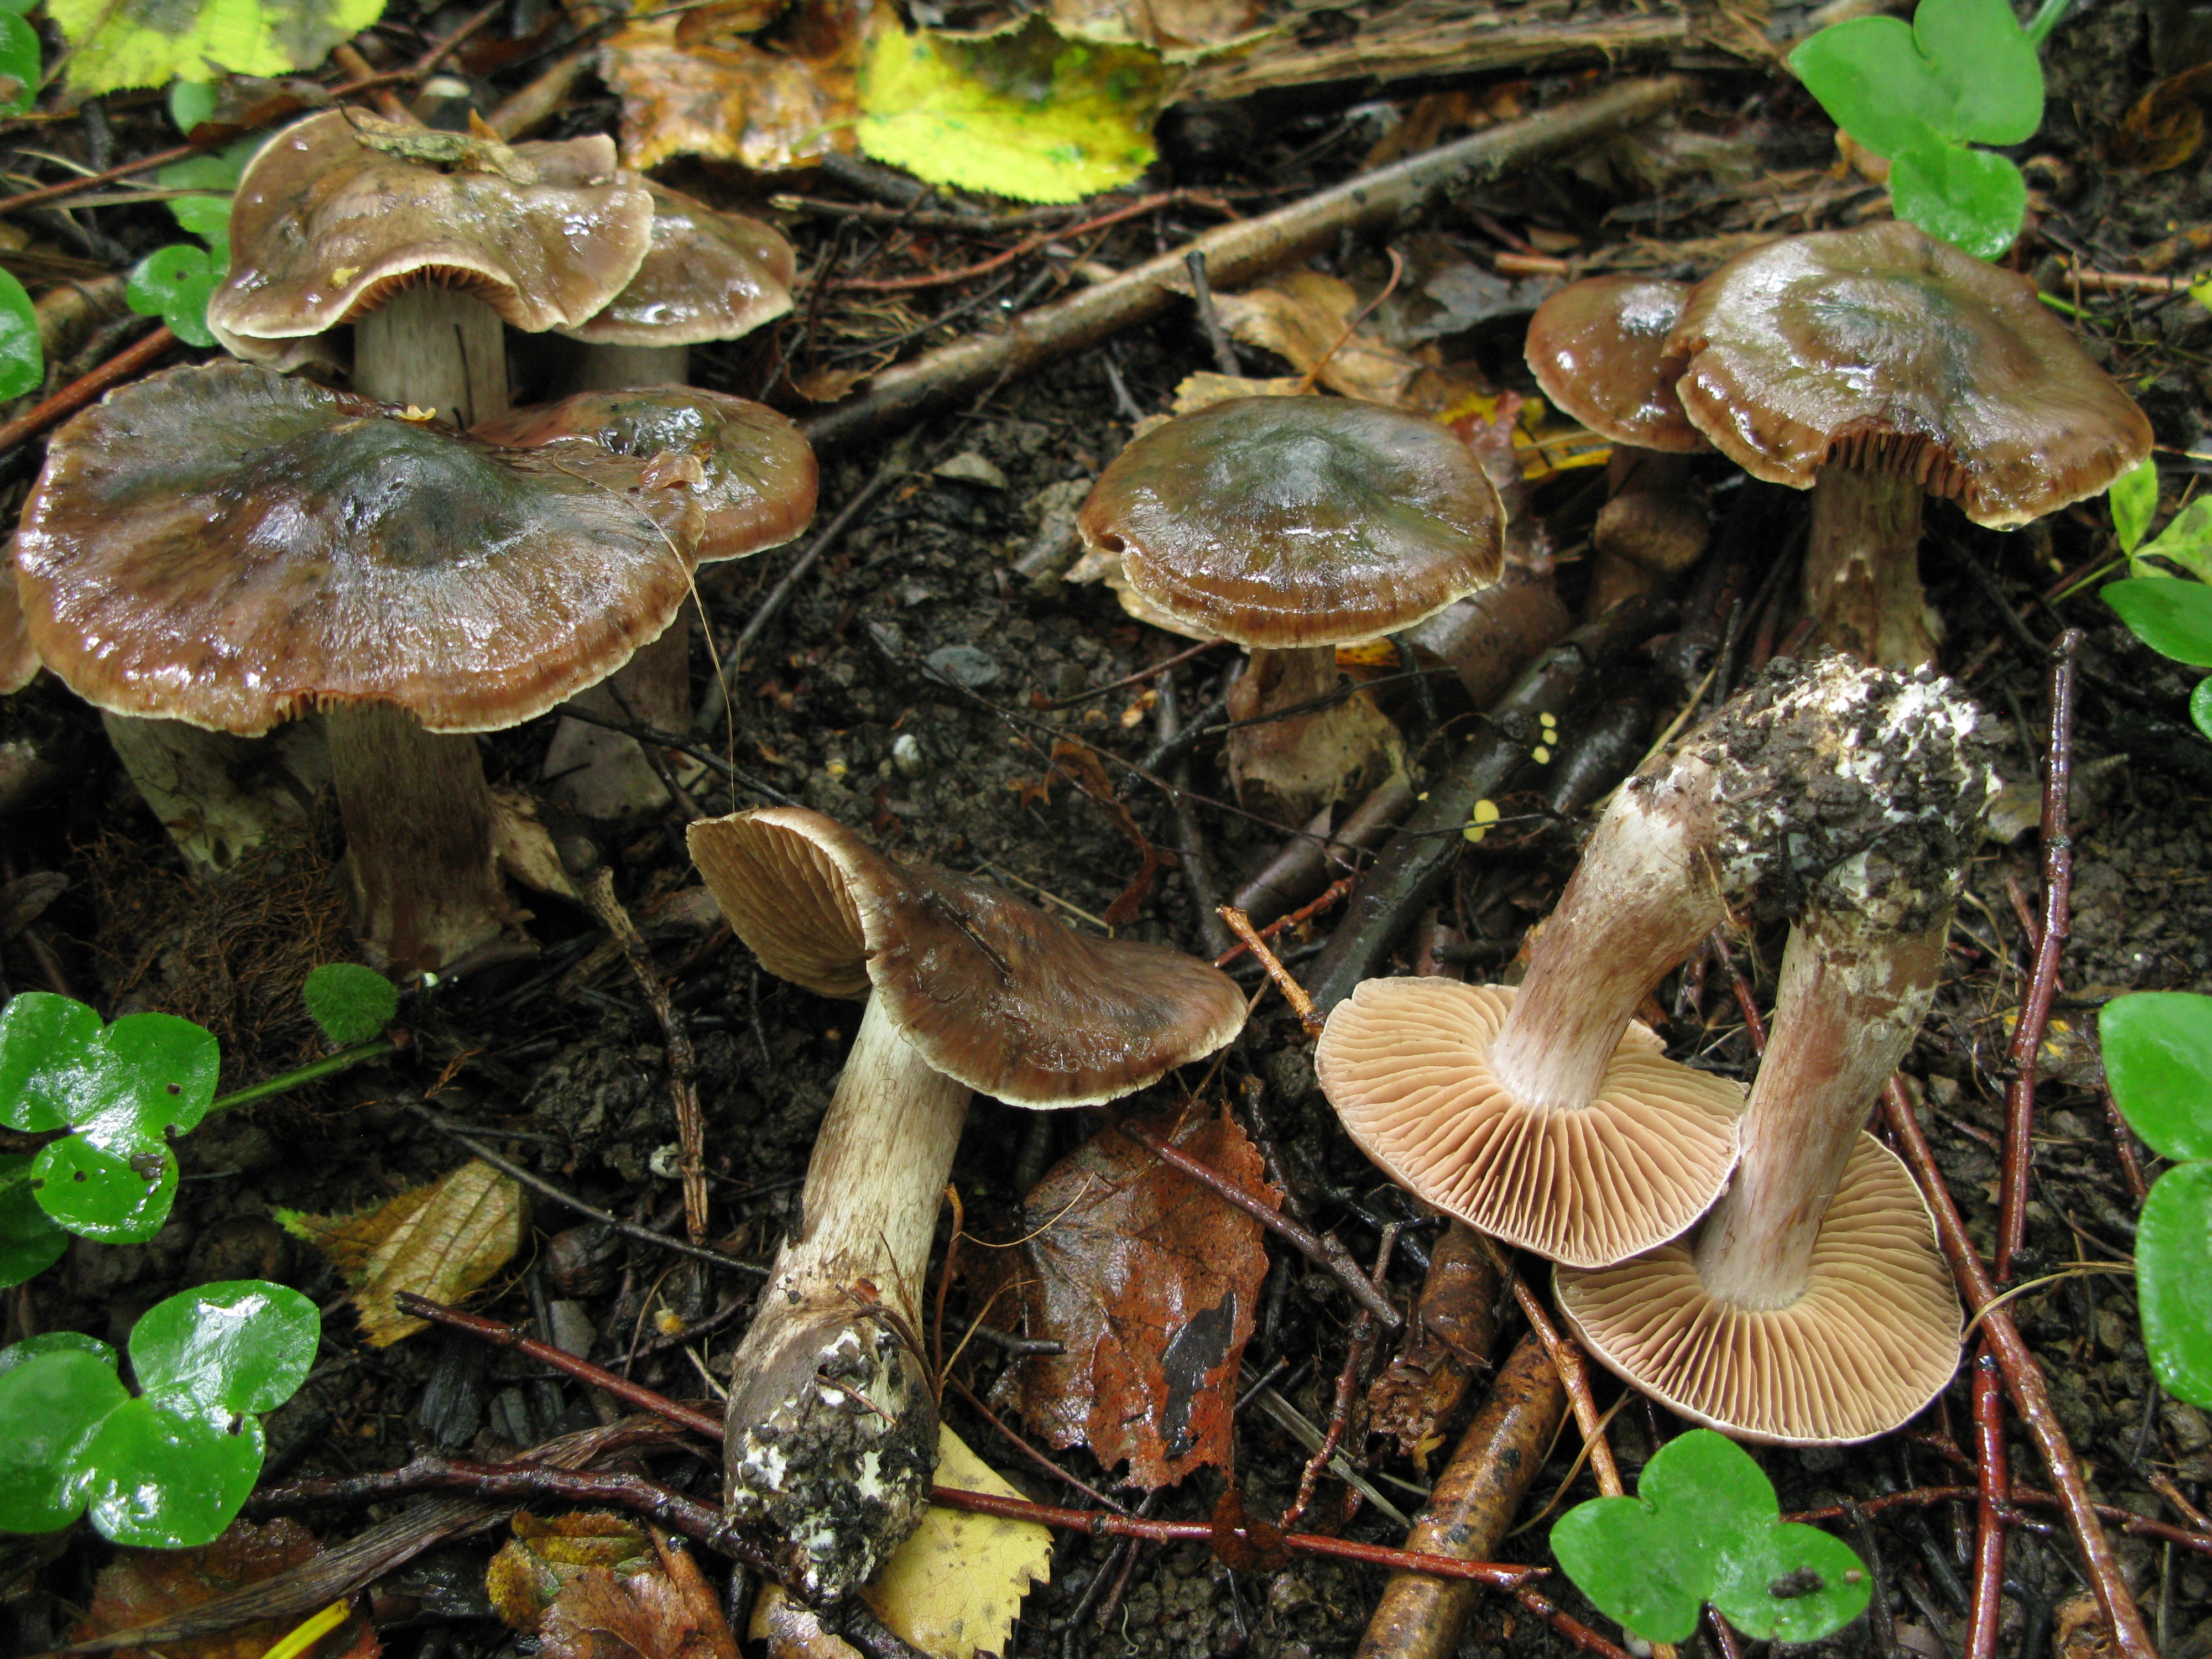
x=173 y=283
x=2173 y=1280
x=169 y=1473
x=207 y=217
x=2170 y=614
x=45 y=1045
x=2134 y=501
x=2158 y=1061
x=213 y=169
x=190 y=102
x=1705 y=1526
x=23 y=1353
x=22 y=356
x=53 y=1403
x=2200 y=706
x=241 y=1345
x=20 y=56
x=351 y=1003
x=30 y=1241
x=111 y=1197
x=2186 y=540
x=1971 y=198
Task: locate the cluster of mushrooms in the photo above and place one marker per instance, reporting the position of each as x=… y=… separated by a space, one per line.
x=231 y=547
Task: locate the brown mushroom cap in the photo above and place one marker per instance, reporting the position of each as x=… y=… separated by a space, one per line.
x=1598 y=349
x=1885 y=347
x=1874 y=1338
x=750 y=473
x=1282 y=522
x=1405 y=1062
x=227 y=547
x=991 y=991
x=325 y=226
x=19 y=663
x=708 y=275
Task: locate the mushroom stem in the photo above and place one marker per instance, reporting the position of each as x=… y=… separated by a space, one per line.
x=1638 y=903
x=1651 y=527
x=434 y=347
x=418 y=821
x=602 y=367
x=1290 y=768
x=1852 y=996
x=832 y=1425
x=1862 y=577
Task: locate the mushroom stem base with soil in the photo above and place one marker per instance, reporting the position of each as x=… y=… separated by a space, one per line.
x=419 y=823
x=832 y=1420
x=1288 y=770
x=437 y=347
x=1861 y=578
x=1637 y=905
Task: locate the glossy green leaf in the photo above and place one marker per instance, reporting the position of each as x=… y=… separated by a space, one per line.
x=148 y=45
x=1871 y=76
x=109 y=1197
x=168 y=1473
x=23 y=1353
x=207 y=217
x=2186 y=540
x=243 y=1345
x=214 y=169
x=2158 y=1061
x=190 y=102
x=46 y=1048
x=22 y=358
x=1705 y=1526
x=2173 y=1280
x=2200 y=706
x=158 y=1069
x=173 y=283
x=2134 y=501
x=1971 y=198
x=53 y=1406
x=2169 y=614
x=20 y=56
x=30 y=1241
x=1985 y=66
x=351 y=1003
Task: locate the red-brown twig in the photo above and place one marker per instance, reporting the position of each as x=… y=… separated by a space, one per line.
x=1985 y=1612
x=1754 y=1027
x=1031 y=244
x=1348 y=1385
x=2042 y=984
x=1567 y=1359
x=2023 y=1379
x=1099 y=1524
x=53 y=410
x=2135 y=1526
x=1568 y=1625
x=1723 y=1634
x=1335 y=890
x=1029 y=1451
x=1293 y=993
x=2124 y=1148
x=1322 y=1249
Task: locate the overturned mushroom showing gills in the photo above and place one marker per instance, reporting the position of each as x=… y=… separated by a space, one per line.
x=226 y=547
x=1814 y=1306
x=832 y=1421
x=1293 y=525
x=747 y=475
x=1873 y=366
x=1597 y=347
x=1541 y=1113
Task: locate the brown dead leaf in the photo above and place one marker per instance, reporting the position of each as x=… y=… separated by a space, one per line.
x=733 y=99
x=725 y=22
x=1205 y=389
x=544 y=1557
x=1299 y=315
x=1149 y=1281
x=1447 y=1341
x=1166 y=24
x=2165 y=126
x=442 y=1241
x=158 y=1587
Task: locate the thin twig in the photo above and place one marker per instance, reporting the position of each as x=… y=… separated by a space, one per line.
x=1335 y=890
x=1347 y=1384
x=1567 y=1358
x=1293 y=993
x=2135 y=1526
x=1029 y=245
x=1201 y=290
x=1985 y=1611
x=2043 y=985
x=54 y=410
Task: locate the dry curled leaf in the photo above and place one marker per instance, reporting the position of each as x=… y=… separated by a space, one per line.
x=1206 y=388
x=1165 y=24
x=142 y=1589
x=1149 y=1281
x=544 y=1557
x=1445 y=1341
x=665 y=1610
x=732 y=100
x=1300 y=315
x=441 y=1241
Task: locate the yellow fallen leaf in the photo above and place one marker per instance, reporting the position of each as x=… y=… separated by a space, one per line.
x=442 y=1241
x=955 y=1588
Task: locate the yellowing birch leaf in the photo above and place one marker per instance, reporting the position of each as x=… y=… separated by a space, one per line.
x=954 y=1589
x=1022 y=111
x=118 y=44
x=442 y=1241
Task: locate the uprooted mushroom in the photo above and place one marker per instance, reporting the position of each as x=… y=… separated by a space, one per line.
x=1291 y=525
x=832 y=1429
x=229 y=547
x=1814 y=1306
x=1878 y=366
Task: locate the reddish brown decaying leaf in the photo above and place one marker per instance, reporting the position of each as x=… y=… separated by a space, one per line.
x=1149 y=1281
x=1080 y=765
x=2165 y=126
x=140 y=1588
x=1449 y=1336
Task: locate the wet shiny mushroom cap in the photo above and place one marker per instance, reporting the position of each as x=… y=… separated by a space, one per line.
x=1284 y=522
x=746 y=469
x=1598 y=349
x=1406 y=1062
x=1873 y=1338
x=1881 y=347
x=229 y=547
x=19 y=663
x=993 y=991
x=708 y=275
x=338 y=212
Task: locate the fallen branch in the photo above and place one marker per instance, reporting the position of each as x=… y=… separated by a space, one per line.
x=1235 y=253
